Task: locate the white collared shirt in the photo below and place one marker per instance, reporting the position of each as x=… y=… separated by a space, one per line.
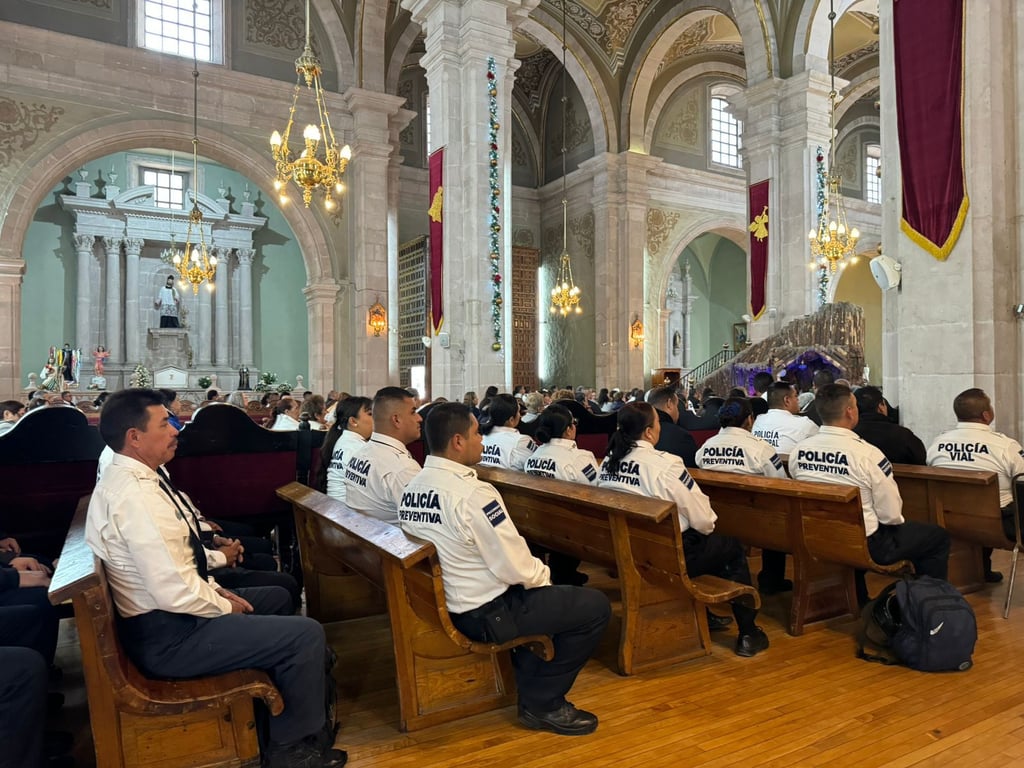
x=782 y=429
x=505 y=447
x=375 y=475
x=284 y=423
x=561 y=459
x=734 y=449
x=143 y=541
x=481 y=552
x=649 y=472
x=348 y=442
x=972 y=445
x=839 y=455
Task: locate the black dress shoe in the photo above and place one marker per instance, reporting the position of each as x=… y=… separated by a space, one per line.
x=305 y=754
x=716 y=622
x=993 y=577
x=752 y=644
x=566 y=720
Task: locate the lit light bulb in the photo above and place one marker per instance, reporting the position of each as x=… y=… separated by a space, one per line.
x=346 y=152
x=275 y=139
x=209 y=286
x=277 y=185
x=283 y=199
x=553 y=309
x=832 y=226
x=579 y=310
x=177 y=258
x=855 y=233
x=339 y=188
x=811 y=235
x=328 y=203
x=841 y=230
x=311 y=133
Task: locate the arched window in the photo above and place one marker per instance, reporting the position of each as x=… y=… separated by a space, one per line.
x=725 y=129
x=873 y=173
x=169 y=26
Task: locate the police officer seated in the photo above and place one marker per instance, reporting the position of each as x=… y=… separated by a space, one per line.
x=837 y=455
x=495 y=589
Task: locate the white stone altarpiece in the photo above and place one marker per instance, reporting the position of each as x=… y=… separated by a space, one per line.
x=119 y=240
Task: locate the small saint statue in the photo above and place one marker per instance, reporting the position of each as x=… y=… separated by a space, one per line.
x=99 y=359
x=169 y=303
x=243 y=378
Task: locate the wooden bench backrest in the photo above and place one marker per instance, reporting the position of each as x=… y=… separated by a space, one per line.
x=963 y=501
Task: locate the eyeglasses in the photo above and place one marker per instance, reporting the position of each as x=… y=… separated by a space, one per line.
x=575 y=422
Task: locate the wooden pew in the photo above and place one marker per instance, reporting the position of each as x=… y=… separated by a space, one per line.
x=442 y=675
x=820 y=524
x=663 y=616
x=966 y=503
x=137 y=721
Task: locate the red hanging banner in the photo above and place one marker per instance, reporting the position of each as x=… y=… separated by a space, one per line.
x=928 y=36
x=758 y=227
x=436 y=184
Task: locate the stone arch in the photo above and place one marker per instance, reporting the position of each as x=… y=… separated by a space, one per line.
x=371 y=43
x=673 y=86
x=398 y=56
x=341 y=51
x=810 y=48
x=732 y=228
x=599 y=107
x=855 y=90
x=42 y=172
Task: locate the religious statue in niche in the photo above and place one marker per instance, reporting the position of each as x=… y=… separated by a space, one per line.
x=169 y=303
x=243 y=378
x=99 y=359
x=677 y=343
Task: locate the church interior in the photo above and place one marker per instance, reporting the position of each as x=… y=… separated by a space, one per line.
x=634 y=140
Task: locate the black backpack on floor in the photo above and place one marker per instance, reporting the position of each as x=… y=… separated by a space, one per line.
x=922 y=623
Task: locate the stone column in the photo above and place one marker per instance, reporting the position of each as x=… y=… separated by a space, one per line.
x=784 y=123
x=320 y=301
x=221 y=329
x=688 y=299
x=133 y=321
x=373 y=117
x=460 y=37
x=83 y=300
x=245 y=305
x=204 y=344
x=112 y=338
x=12 y=379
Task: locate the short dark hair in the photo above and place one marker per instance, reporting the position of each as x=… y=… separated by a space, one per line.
x=498 y=412
x=13 y=406
x=169 y=396
x=444 y=421
x=823 y=378
x=662 y=396
x=213 y=394
x=734 y=412
x=126 y=410
x=762 y=381
x=830 y=402
x=552 y=422
x=868 y=399
x=778 y=392
x=970 y=404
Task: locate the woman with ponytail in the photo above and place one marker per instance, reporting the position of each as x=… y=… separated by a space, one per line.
x=353 y=425
x=558 y=456
x=736 y=449
x=504 y=446
x=633 y=465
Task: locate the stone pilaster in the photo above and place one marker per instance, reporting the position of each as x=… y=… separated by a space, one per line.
x=368 y=178
x=11 y=380
x=244 y=256
x=320 y=304
x=112 y=338
x=83 y=303
x=460 y=38
x=204 y=344
x=133 y=322
x=221 y=329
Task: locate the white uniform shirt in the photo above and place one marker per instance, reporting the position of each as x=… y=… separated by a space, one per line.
x=143 y=541
x=734 y=449
x=504 y=447
x=284 y=423
x=375 y=475
x=348 y=442
x=561 y=459
x=481 y=552
x=214 y=557
x=649 y=472
x=838 y=455
x=977 y=446
x=783 y=430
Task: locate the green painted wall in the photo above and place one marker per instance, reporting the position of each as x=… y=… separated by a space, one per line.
x=280 y=338
x=718 y=272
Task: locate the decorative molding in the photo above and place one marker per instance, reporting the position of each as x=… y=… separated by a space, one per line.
x=530 y=77
x=682 y=128
x=523 y=237
x=845 y=62
x=694 y=41
x=275 y=23
x=21 y=124
x=660 y=224
x=582 y=230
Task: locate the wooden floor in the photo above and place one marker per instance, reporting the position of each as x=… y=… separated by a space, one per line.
x=805 y=702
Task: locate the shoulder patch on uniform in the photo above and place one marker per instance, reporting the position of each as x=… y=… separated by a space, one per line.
x=776 y=461
x=590 y=472
x=1021 y=453
x=494 y=513
x=885 y=466
x=686 y=480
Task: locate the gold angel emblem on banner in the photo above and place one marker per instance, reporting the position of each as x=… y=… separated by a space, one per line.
x=759 y=226
x=436 y=205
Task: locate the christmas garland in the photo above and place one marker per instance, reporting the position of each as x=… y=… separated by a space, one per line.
x=820 y=175
x=494 y=215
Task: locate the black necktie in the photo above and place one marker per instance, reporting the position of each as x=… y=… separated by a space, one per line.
x=198 y=551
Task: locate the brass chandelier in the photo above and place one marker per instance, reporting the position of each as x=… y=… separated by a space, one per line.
x=321 y=164
x=565 y=296
x=834 y=242
x=195 y=266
